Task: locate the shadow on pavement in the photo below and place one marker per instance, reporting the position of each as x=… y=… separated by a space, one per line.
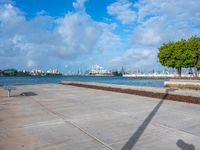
x=23 y=94
x=28 y=94
x=137 y=134
x=184 y=146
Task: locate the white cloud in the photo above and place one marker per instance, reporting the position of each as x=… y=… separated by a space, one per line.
x=108 y=41
x=158 y=21
x=80 y=34
x=149 y=33
x=79 y=4
x=173 y=10
x=161 y=21
x=135 y=58
x=123 y=11
x=76 y=36
x=150 y=36
x=42 y=39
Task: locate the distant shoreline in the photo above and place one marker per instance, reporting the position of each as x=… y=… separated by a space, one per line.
x=160 y=76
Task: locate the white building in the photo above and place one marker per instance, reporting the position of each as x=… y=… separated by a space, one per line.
x=37 y=72
x=53 y=71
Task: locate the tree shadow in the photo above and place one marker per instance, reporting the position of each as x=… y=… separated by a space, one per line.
x=137 y=134
x=184 y=146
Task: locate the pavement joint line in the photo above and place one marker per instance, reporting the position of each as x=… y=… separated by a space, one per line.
x=157 y=124
x=106 y=145
x=173 y=129
x=73 y=124
x=50 y=145
x=44 y=123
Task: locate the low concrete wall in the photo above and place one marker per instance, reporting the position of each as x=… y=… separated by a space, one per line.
x=183 y=84
x=160 y=93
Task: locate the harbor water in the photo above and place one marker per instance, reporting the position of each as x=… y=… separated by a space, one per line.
x=98 y=79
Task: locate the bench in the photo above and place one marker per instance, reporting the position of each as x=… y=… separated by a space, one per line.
x=9 y=89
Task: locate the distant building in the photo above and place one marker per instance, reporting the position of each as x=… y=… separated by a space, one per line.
x=53 y=72
x=37 y=72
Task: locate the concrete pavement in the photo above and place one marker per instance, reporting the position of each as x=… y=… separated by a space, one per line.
x=53 y=116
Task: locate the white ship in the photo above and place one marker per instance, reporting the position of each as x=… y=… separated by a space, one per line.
x=98 y=70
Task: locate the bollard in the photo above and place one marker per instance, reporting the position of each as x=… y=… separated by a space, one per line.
x=9 y=88
x=9 y=91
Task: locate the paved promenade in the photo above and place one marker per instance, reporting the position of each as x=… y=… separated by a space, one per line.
x=53 y=116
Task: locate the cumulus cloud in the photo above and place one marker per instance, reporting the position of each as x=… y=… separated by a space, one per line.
x=123 y=11
x=80 y=34
x=159 y=21
x=173 y=10
x=43 y=38
x=23 y=40
x=134 y=58
x=149 y=33
x=75 y=37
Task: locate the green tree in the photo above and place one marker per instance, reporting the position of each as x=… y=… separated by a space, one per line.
x=181 y=54
x=165 y=54
x=194 y=48
x=10 y=72
x=171 y=55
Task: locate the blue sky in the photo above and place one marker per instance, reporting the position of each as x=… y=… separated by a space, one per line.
x=76 y=34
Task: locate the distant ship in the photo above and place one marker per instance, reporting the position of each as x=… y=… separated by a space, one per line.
x=97 y=70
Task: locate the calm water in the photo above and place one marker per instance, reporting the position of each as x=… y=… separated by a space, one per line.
x=104 y=79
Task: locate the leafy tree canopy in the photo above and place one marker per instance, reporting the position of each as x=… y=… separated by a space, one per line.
x=180 y=54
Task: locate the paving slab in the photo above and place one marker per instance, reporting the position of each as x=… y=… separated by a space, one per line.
x=54 y=116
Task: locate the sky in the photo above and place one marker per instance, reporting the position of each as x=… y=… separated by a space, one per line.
x=76 y=34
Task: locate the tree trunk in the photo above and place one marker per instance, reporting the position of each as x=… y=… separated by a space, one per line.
x=196 y=68
x=179 y=72
x=195 y=72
